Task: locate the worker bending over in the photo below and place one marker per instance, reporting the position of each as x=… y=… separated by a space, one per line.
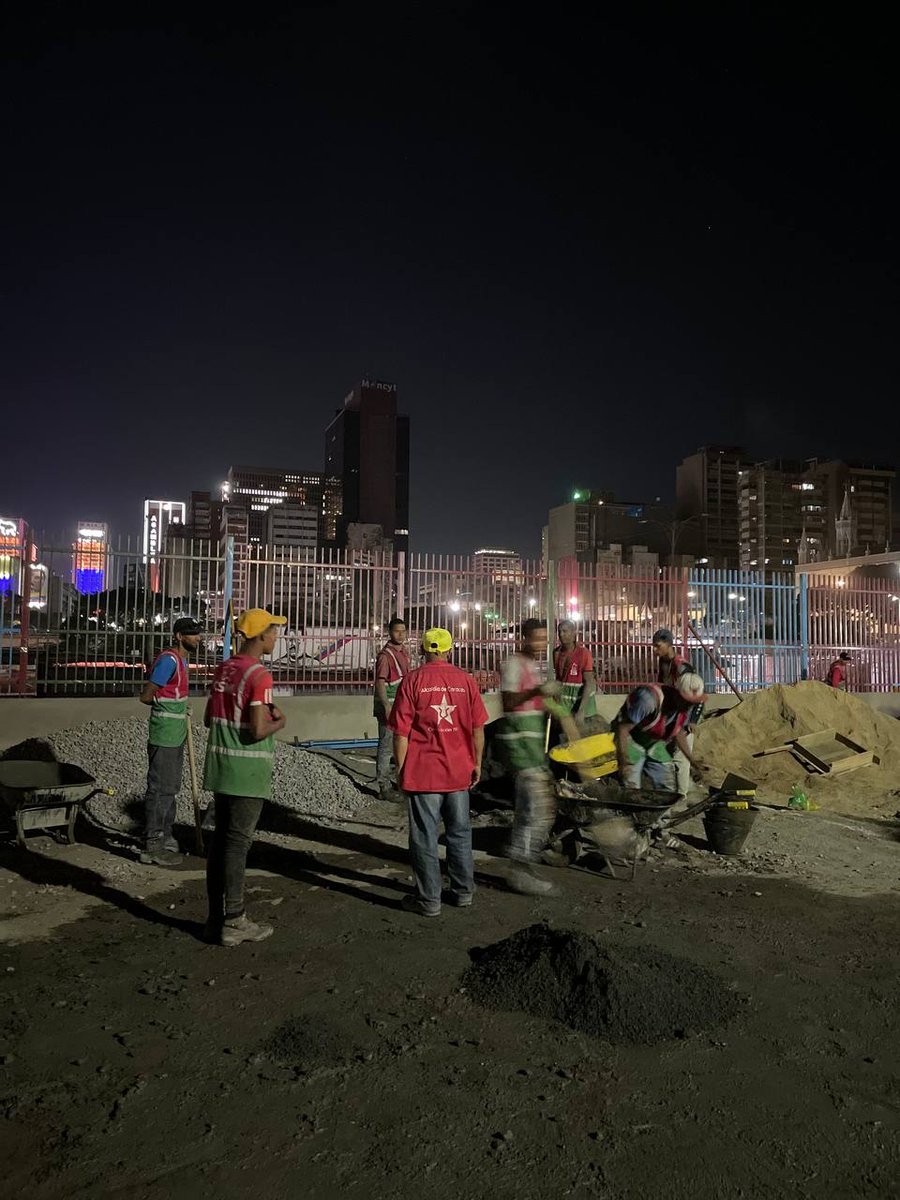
x=166 y=691
x=438 y=721
x=651 y=721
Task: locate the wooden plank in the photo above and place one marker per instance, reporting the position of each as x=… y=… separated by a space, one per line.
x=774 y=750
x=853 y=763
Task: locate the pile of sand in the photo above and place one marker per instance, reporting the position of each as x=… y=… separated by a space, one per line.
x=630 y=994
x=778 y=714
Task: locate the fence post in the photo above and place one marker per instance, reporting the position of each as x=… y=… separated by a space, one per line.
x=25 y=613
x=401 y=582
x=229 y=594
x=552 y=585
x=804 y=626
x=685 y=579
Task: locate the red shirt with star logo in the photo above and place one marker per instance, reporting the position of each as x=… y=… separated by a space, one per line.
x=438 y=708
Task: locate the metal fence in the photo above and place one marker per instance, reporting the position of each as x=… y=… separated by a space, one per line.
x=65 y=632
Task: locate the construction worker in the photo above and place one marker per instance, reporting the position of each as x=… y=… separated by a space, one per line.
x=166 y=691
x=520 y=745
x=240 y=752
x=438 y=720
x=391 y=666
x=649 y=722
x=573 y=665
x=837 y=672
x=670 y=667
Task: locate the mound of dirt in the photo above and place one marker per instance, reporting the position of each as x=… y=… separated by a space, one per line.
x=623 y=994
x=776 y=715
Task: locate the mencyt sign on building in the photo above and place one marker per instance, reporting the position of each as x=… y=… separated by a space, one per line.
x=158 y=516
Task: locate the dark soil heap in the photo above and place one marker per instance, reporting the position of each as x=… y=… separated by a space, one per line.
x=620 y=993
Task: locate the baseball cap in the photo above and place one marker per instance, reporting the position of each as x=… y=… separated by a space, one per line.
x=255 y=621
x=437 y=641
x=187 y=625
x=664 y=635
x=690 y=686
x=845 y=656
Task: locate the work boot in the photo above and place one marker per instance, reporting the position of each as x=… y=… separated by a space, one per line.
x=241 y=929
x=170 y=844
x=155 y=854
x=412 y=903
x=526 y=883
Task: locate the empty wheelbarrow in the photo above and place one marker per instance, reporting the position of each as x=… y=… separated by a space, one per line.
x=45 y=795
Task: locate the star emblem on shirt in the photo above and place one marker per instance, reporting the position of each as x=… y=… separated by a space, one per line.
x=444 y=710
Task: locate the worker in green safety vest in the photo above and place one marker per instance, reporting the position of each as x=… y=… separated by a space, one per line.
x=166 y=692
x=573 y=666
x=391 y=666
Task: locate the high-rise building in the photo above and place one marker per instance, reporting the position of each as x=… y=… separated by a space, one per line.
x=498 y=564
x=780 y=506
x=812 y=511
x=89 y=557
x=293 y=525
x=259 y=489
x=707 y=493
x=159 y=515
x=12 y=555
x=868 y=488
x=367 y=446
x=593 y=522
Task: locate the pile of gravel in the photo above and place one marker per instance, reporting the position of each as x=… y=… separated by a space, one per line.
x=628 y=994
x=115 y=753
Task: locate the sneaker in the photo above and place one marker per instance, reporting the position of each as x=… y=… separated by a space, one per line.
x=156 y=855
x=527 y=884
x=460 y=899
x=241 y=929
x=171 y=845
x=412 y=903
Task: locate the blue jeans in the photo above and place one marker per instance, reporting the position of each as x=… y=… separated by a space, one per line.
x=384 y=755
x=426 y=810
x=165 y=765
x=662 y=776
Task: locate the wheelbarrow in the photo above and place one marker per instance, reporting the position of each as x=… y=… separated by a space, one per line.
x=621 y=823
x=45 y=795
x=591 y=757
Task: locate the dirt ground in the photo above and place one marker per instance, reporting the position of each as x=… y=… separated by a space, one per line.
x=344 y=1057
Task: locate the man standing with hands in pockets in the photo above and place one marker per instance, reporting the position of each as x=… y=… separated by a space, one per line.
x=438 y=720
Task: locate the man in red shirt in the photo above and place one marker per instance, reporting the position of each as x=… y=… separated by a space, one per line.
x=438 y=721
x=391 y=666
x=240 y=755
x=837 y=672
x=573 y=665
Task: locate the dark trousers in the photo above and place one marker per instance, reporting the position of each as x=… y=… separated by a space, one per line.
x=236 y=821
x=164 y=772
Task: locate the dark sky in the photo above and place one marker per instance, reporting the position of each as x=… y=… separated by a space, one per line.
x=581 y=246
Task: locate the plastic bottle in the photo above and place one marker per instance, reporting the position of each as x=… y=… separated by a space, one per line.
x=798 y=799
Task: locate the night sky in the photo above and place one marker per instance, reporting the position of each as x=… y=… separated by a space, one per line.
x=581 y=246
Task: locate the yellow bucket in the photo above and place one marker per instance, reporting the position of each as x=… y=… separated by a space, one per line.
x=595 y=756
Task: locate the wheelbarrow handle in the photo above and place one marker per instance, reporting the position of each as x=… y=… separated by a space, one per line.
x=693 y=810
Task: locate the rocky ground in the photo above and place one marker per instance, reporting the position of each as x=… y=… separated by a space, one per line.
x=348 y=1056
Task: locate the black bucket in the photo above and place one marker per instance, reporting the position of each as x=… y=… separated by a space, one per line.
x=728 y=828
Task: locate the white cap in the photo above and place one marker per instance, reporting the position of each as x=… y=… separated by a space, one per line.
x=691 y=687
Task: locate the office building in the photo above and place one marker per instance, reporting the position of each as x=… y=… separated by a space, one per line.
x=367 y=447
x=159 y=515
x=260 y=489
x=593 y=527
x=89 y=557
x=812 y=511
x=707 y=495
x=294 y=525
x=12 y=555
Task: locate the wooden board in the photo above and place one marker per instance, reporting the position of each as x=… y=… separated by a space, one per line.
x=832 y=753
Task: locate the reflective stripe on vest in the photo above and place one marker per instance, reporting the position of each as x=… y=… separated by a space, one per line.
x=236 y=765
x=169 y=710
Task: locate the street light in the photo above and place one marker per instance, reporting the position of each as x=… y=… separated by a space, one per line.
x=675 y=527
